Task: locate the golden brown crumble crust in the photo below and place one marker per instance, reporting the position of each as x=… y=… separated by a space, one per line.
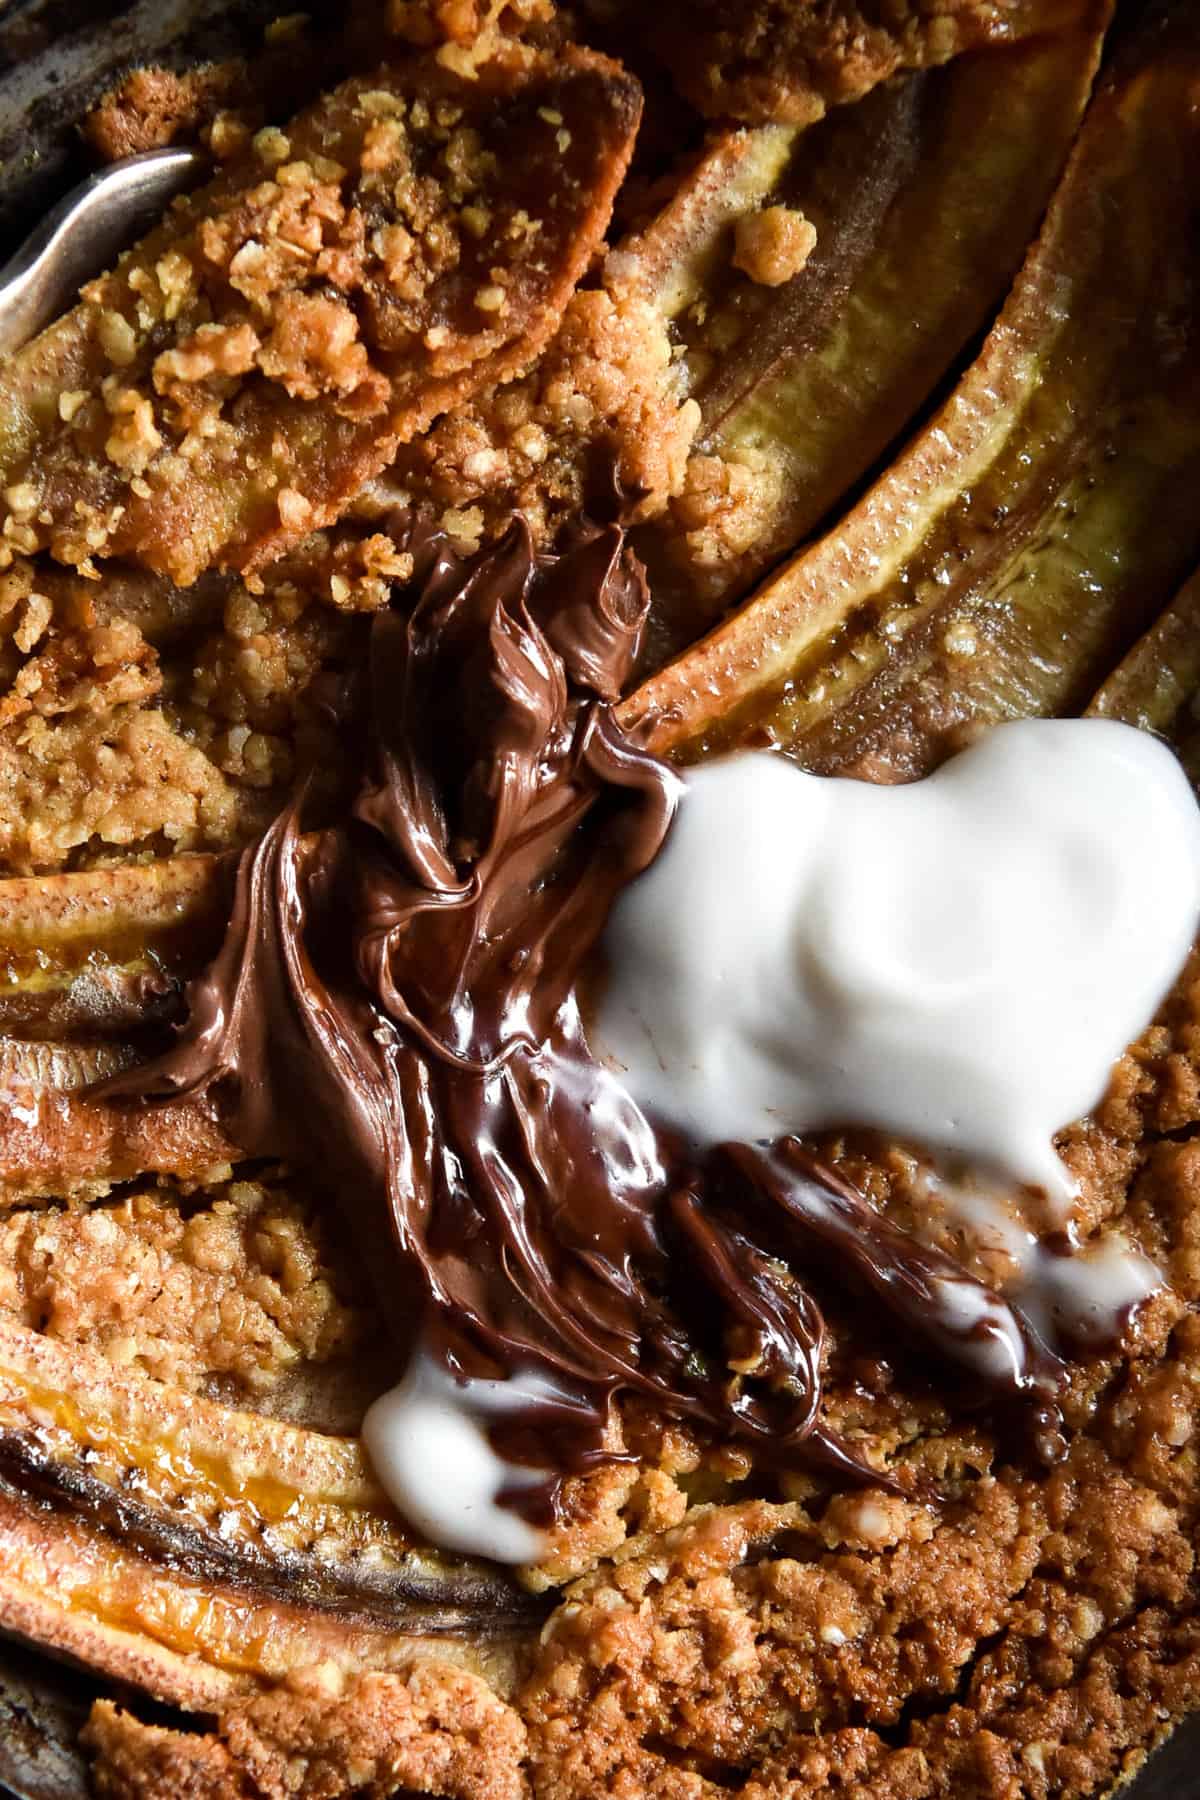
x=154 y=107
x=603 y=394
x=438 y=1731
x=134 y=717
x=240 y=1286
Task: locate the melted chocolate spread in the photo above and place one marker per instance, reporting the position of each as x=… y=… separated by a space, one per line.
x=399 y=1009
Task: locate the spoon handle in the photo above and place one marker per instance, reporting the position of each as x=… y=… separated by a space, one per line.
x=83 y=235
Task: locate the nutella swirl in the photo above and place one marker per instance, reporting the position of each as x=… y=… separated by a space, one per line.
x=398 y=1008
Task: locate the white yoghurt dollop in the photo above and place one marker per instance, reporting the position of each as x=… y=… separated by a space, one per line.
x=958 y=961
x=428 y=1444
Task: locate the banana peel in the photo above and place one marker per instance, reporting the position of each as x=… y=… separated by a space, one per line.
x=924 y=198
x=1035 y=527
x=1156 y=686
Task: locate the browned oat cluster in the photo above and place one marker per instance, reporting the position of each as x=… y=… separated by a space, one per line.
x=238 y=1285
x=772 y=246
x=454 y=279
x=603 y=392
x=387 y=254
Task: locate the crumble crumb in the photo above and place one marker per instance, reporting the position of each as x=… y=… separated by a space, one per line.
x=240 y=1286
x=468 y=33
x=773 y=246
x=605 y=389
x=721 y=507
x=438 y=1731
x=154 y=107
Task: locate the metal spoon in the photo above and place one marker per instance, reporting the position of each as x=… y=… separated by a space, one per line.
x=84 y=234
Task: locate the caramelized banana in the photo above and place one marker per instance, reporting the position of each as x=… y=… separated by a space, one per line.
x=1036 y=526
x=88 y=962
x=924 y=198
x=173 y=1631
x=99 y=950
x=412 y=237
x=237 y=1496
x=54 y=1141
x=194 y=1549
x=1156 y=686
x=680 y=260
